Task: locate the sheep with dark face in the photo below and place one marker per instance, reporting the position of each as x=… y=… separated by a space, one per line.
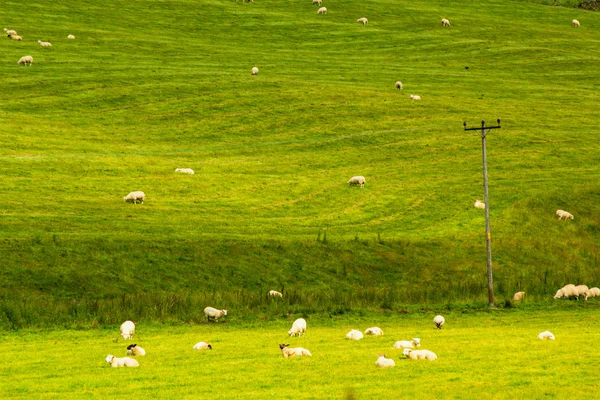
x=135 y=350
x=202 y=346
x=287 y=352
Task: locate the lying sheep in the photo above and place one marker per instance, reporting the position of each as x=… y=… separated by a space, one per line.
x=383 y=362
x=135 y=197
x=563 y=214
x=408 y=344
x=213 y=313
x=322 y=10
x=287 y=352
x=546 y=335
x=127 y=330
x=479 y=204
x=357 y=180
x=576 y=23
x=445 y=22
x=518 y=296
x=375 y=331
x=135 y=350
x=10 y=31
x=188 y=171
x=566 y=292
x=15 y=37
x=121 y=362
x=439 y=321
x=415 y=97
x=298 y=327
x=254 y=71
x=202 y=346
x=363 y=21
x=593 y=292
x=318 y=2
x=71 y=37
x=354 y=335
x=399 y=85
x=45 y=44
x=419 y=354
x=275 y=293
x=25 y=60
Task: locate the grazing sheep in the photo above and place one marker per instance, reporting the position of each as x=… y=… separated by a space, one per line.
x=445 y=22
x=121 y=362
x=202 y=346
x=354 y=335
x=287 y=352
x=135 y=350
x=375 y=331
x=363 y=21
x=408 y=344
x=135 y=197
x=322 y=10
x=563 y=214
x=213 y=313
x=15 y=37
x=576 y=23
x=318 y=2
x=593 y=292
x=357 y=180
x=518 y=296
x=479 y=204
x=254 y=71
x=546 y=335
x=399 y=85
x=26 y=60
x=581 y=289
x=566 y=292
x=274 y=293
x=419 y=354
x=188 y=171
x=10 y=31
x=298 y=327
x=383 y=362
x=439 y=321
x=71 y=37
x=45 y=44
x=415 y=97
x=127 y=330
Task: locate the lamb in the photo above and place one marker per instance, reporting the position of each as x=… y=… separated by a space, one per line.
x=383 y=362
x=26 y=60
x=576 y=23
x=593 y=292
x=415 y=97
x=213 y=313
x=479 y=204
x=420 y=354
x=275 y=293
x=563 y=214
x=127 y=330
x=45 y=44
x=318 y=2
x=518 y=296
x=363 y=21
x=399 y=85
x=375 y=331
x=15 y=37
x=298 y=327
x=408 y=344
x=439 y=321
x=546 y=335
x=121 y=362
x=254 y=71
x=135 y=197
x=71 y=37
x=357 y=180
x=287 y=352
x=322 y=10
x=188 y=171
x=354 y=335
x=566 y=292
x=445 y=22
x=135 y=350
x=202 y=346
x=10 y=31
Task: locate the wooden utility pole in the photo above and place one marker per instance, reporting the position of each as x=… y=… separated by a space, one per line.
x=488 y=234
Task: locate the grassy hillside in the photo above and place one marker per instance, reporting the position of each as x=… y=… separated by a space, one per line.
x=149 y=86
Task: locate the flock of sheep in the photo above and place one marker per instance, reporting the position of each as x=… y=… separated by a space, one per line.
x=27 y=60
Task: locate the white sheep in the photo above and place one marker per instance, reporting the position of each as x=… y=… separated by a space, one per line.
x=518 y=296
x=127 y=330
x=439 y=321
x=135 y=197
x=563 y=214
x=576 y=23
x=479 y=204
x=322 y=10
x=202 y=346
x=298 y=327
x=10 y=31
x=420 y=354
x=254 y=71
x=188 y=171
x=71 y=37
x=121 y=362
x=15 y=37
x=363 y=21
x=287 y=352
x=357 y=180
x=45 y=44
x=581 y=290
x=593 y=292
x=408 y=344
x=26 y=60
x=546 y=335
x=354 y=335
x=399 y=85
x=135 y=350
x=445 y=22
x=375 y=331
x=274 y=293
x=566 y=292
x=415 y=97
x=318 y=2
x=383 y=362
x=210 y=312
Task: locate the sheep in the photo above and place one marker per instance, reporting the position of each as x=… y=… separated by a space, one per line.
x=593 y=292
x=357 y=180
x=576 y=23
x=408 y=344
x=415 y=97
x=45 y=44
x=563 y=214
x=518 y=296
x=135 y=350
x=363 y=21
x=15 y=37
x=298 y=327
x=318 y=2
x=121 y=362
x=546 y=335
x=445 y=22
x=127 y=330
x=375 y=331
x=399 y=85
x=71 y=37
x=188 y=171
x=322 y=10
x=254 y=71
x=287 y=352
x=354 y=335
x=213 y=313
x=479 y=204
x=581 y=289
x=274 y=293
x=26 y=60
x=383 y=362
x=10 y=31
x=439 y=321
x=202 y=346
x=135 y=197
x=420 y=354
x=566 y=292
